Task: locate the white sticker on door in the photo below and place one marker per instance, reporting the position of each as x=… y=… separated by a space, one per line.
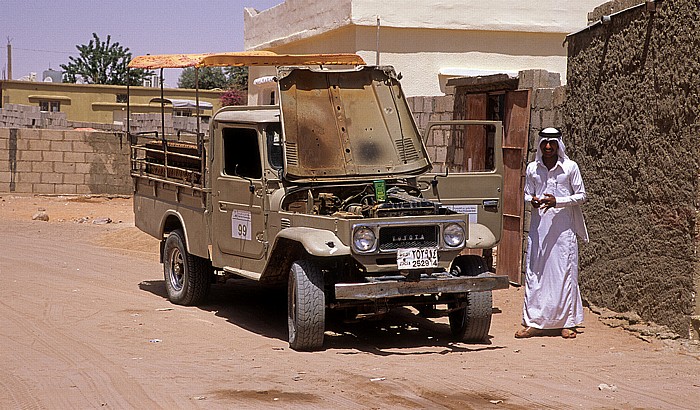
x=471 y=210
x=240 y=225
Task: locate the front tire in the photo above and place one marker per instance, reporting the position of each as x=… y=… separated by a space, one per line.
x=306 y=306
x=470 y=316
x=187 y=277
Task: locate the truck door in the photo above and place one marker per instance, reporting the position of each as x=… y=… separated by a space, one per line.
x=470 y=180
x=238 y=218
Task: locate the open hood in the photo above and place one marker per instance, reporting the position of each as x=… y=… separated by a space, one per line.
x=347 y=124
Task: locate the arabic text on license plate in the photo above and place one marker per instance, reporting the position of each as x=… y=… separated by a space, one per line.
x=417 y=258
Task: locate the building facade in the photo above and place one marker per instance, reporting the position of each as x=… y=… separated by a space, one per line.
x=427 y=41
x=104 y=104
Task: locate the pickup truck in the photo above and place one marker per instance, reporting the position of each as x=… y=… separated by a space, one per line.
x=329 y=192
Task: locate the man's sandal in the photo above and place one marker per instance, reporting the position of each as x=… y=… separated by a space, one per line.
x=568 y=333
x=527 y=332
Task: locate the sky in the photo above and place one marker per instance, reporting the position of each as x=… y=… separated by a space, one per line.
x=45 y=33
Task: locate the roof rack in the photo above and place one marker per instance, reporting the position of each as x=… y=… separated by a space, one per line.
x=242 y=58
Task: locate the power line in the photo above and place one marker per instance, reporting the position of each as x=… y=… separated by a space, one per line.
x=41 y=51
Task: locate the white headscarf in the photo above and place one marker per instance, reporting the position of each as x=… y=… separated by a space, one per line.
x=551 y=134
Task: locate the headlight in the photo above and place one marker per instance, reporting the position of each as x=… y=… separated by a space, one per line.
x=364 y=239
x=453 y=234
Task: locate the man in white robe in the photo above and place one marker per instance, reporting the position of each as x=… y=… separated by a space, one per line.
x=554 y=188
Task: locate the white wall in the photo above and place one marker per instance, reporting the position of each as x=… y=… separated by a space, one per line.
x=419 y=38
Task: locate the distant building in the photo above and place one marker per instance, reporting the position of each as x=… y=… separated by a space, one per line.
x=104 y=104
x=427 y=41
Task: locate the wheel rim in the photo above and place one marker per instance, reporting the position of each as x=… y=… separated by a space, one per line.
x=177 y=270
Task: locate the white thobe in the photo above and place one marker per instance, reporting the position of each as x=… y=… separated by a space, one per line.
x=552 y=297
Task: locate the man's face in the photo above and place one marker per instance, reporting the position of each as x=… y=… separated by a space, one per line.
x=549 y=148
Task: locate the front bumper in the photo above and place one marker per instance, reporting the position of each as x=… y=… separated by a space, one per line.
x=400 y=287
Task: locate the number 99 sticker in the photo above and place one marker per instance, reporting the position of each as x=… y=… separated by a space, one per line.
x=240 y=225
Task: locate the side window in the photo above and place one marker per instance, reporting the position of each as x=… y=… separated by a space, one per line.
x=242 y=153
x=274 y=145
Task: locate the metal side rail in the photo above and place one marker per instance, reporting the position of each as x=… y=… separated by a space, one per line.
x=398 y=288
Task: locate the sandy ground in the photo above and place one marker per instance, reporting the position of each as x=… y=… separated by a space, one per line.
x=84 y=323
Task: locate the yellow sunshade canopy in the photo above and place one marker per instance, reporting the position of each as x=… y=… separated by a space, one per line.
x=242 y=58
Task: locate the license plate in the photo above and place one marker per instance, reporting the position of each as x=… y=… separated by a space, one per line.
x=417 y=258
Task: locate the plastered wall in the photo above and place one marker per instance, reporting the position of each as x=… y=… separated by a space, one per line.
x=632 y=125
x=421 y=39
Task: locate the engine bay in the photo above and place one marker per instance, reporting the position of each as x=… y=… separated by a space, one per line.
x=367 y=200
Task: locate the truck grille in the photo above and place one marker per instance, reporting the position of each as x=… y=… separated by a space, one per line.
x=407 y=237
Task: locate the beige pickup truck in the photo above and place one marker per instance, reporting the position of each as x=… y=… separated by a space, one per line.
x=329 y=193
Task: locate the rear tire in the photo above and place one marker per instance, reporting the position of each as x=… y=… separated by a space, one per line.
x=471 y=323
x=306 y=306
x=187 y=277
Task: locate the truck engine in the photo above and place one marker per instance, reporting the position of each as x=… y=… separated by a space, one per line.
x=362 y=201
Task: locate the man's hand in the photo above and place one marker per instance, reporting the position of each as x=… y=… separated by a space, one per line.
x=549 y=201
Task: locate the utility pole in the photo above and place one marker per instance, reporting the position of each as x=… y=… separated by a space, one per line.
x=9 y=59
x=377 y=56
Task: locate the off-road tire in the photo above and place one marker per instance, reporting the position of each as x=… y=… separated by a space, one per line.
x=187 y=277
x=306 y=306
x=472 y=322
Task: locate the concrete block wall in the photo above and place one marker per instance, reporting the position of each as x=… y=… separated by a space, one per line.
x=29 y=116
x=435 y=108
x=173 y=124
x=63 y=162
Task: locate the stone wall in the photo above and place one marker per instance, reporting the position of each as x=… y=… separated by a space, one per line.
x=632 y=115
x=45 y=161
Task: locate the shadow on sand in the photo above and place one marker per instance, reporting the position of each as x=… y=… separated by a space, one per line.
x=263 y=310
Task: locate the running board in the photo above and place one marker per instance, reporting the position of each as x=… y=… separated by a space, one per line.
x=244 y=273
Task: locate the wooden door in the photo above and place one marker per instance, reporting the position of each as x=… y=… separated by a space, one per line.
x=516 y=124
x=475 y=152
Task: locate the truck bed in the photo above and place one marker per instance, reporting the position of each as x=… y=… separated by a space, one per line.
x=174 y=161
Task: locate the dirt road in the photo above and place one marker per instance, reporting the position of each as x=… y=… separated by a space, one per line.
x=84 y=323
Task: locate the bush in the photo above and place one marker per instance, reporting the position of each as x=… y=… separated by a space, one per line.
x=232 y=97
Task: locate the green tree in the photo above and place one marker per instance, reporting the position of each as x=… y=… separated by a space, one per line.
x=209 y=78
x=215 y=77
x=102 y=62
x=237 y=77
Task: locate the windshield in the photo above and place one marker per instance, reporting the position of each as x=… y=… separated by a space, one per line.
x=353 y=123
